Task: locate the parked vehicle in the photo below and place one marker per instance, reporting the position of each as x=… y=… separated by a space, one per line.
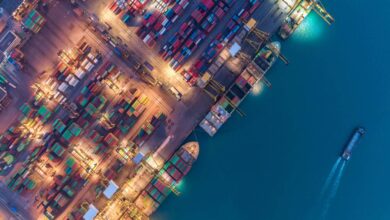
x=176 y=93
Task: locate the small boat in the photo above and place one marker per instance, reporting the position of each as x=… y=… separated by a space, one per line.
x=359 y=132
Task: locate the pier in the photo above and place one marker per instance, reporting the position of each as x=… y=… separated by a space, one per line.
x=299 y=12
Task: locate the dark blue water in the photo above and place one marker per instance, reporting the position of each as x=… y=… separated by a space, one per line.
x=273 y=163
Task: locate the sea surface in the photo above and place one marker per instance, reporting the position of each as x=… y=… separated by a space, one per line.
x=273 y=163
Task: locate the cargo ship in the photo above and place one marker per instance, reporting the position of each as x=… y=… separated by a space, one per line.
x=241 y=87
x=166 y=180
x=359 y=132
x=299 y=12
x=295 y=18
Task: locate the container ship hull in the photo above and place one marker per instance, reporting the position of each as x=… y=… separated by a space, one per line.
x=242 y=86
x=174 y=170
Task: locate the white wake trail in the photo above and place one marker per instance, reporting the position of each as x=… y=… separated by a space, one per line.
x=333 y=190
x=330 y=177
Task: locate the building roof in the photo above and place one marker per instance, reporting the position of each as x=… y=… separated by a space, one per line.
x=110 y=190
x=91 y=213
x=234 y=49
x=9 y=40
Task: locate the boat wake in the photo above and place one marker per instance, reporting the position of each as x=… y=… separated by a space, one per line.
x=330 y=177
x=332 y=183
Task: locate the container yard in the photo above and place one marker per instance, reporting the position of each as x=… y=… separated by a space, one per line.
x=115 y=88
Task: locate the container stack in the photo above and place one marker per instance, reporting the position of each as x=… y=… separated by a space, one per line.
x=166 y=180
x=34 y=21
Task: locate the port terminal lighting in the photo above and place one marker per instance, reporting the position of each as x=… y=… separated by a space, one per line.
x=310 y=30
x=258 y=88
x=43 y=91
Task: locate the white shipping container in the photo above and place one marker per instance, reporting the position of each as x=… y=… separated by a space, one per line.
x=89 y=67
x=80 y=73
x=74 y=81
x=63 y=87
x=85 y=62
x=68 y=78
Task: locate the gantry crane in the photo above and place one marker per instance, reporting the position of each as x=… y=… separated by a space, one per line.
x=169 y=186
x=319 y=8
x=261 y=38
x=131 y=211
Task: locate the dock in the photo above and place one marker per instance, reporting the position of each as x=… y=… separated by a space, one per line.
x=300 y=10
